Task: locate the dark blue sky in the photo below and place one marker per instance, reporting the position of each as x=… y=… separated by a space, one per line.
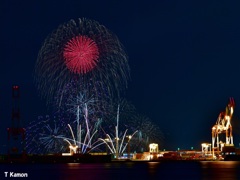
x=184 y=59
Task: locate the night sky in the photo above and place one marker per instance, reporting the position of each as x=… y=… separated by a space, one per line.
x=184 y=59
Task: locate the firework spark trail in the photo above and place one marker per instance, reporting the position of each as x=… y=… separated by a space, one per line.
x=123 y=140
x=114 y=149
x=75 y=102
x=86 y=120
x=87 y=143
x=80 y=101
x=85 y=51
x=45 y=135
x=49 y=135
x=72 y=134
x=129 y=141
x=87 y=114
x=117 y=150
x=147 y=132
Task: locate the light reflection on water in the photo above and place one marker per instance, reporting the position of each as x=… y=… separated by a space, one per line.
x=214 y=170
x=221 y=170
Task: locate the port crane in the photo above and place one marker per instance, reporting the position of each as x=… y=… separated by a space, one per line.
x=223 y=126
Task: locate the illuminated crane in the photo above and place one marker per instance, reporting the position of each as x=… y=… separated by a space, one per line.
x=223 y=125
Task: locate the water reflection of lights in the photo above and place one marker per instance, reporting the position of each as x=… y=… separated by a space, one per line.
x=217 y=170
x=153 y=163
x=73 y=165
x=153 y=167
x=219 y=164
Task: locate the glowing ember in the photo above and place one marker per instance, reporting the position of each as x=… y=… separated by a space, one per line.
x=81 y=54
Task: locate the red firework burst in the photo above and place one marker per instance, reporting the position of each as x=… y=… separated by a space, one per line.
x=80 y=54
